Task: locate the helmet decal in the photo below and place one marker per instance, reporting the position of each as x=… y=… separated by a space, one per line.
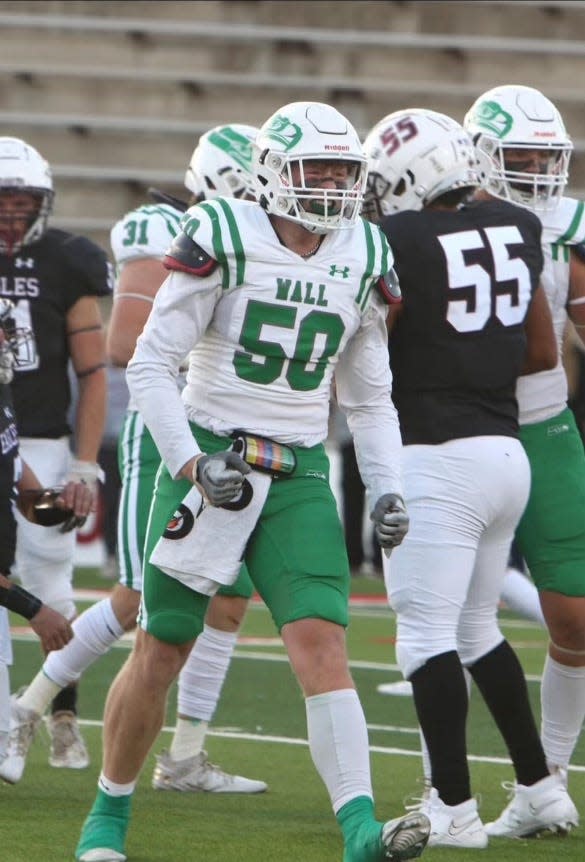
x=221 y=164
x=491 y=116
x=284 y=131
x=233 y=144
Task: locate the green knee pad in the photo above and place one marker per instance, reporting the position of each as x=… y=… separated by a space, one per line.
x=175 y=628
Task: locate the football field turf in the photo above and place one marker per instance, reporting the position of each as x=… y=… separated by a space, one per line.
x=259 y=731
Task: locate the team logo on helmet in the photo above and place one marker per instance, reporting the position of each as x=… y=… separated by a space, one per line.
x=492 y=117
x=234 y=145
x=284 y=131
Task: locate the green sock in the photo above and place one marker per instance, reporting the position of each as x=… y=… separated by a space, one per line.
x=106 y=824
x=362 y=834
x=353 y=814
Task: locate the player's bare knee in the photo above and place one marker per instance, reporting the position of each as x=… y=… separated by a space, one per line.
x=125 y=604
x=226 y=613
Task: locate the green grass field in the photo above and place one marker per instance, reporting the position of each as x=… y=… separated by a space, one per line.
x=259 y=730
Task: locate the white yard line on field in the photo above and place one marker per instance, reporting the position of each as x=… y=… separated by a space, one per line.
x=289 y=740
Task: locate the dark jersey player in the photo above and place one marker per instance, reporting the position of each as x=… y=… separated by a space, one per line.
x=54 y=279
x=15 y=476
x=473 y=318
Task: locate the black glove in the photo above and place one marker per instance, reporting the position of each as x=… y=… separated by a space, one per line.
x=390 y=520
x=40 y=507
x=220 y=477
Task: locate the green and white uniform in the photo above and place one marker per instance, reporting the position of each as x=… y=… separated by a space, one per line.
x=265 y=332
x=551 y=534
x=146 y=232
x=143 y=233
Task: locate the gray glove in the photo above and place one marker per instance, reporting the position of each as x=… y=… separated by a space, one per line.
x=390 y=520
x=220 y=476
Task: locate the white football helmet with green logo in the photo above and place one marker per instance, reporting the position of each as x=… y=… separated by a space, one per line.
x=414 y=157
x=221 y=164
x=514 y=117
x=303 y=132
x=23 y=169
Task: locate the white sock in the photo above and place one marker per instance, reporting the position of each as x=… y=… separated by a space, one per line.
x=94 y=633
x=521 y=596
x=39 y=693
x=113 y=789
x=562 y=700
x=188 y=738
x=204 y=672
x=338 y=741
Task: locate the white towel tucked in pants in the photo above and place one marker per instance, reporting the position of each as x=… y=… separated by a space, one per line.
x=208 y=555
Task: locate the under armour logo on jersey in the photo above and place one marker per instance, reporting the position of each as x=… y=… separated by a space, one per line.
x=20 y=262
x=343 y=271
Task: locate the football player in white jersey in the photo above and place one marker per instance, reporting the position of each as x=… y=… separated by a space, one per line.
x=268 y=299
x=220 y=164
x=527 y=150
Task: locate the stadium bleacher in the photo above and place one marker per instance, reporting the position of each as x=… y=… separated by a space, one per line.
x=116 y=94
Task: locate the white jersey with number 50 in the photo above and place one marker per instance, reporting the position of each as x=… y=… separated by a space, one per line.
x=266 y=331
x=544 y=395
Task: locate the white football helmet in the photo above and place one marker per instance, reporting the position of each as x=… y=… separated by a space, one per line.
x=16 y=342
x=23 y=169
x=221 y=164
x=297 y=134
x=414 y=156
x=520 y=118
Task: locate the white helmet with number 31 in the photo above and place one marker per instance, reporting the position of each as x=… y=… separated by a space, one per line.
x=527 y=147
x=221 y=164
x=301 y=133
x=414 y=157
x=23 y=169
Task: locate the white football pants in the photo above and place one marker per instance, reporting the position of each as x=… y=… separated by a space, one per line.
x=464 y=498
x=44 y=555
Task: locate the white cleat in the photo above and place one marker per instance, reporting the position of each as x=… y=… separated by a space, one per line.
x=24 y=724
x=68 y=749
x=454 y=825
x=198 y=775
x=400 y=688
x=405 y=837
x=543 y=807
x=102 y=854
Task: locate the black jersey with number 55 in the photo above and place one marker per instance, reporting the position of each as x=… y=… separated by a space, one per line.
x=44 y=280
x=467 y=278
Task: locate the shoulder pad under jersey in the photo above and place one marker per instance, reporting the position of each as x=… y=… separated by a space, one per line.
x=185 y=255
x=389 y=287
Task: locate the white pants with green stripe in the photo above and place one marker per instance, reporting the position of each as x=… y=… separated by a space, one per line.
x=138 y=460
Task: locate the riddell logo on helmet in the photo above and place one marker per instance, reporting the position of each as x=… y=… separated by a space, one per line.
x=545 y=134
x=339 y=148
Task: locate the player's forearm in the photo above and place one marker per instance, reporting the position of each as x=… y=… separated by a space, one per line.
x=153 y=389
x=91 y=415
